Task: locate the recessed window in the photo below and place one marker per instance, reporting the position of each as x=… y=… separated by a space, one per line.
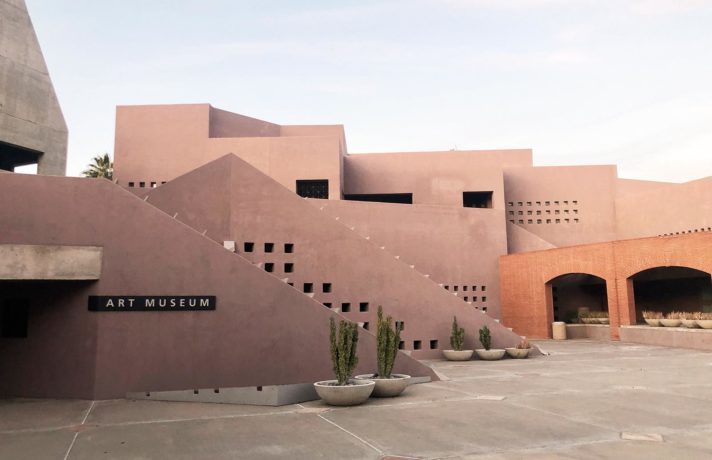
x=529 y=203
x=401 y=324
x=142 y=184
x=308 y=287
x=153 y=185
x=477 y=199
x=547 y=203
x=269 y=267
x=519 y=203
x=538 y=221
x=269 y=247
x=454 y=288
x=484 y=288
x=447 y=287
x=363 y=306
x=313 y=188
x=484 y=299
x=433 y=344
x=401 y=345
x=530 y=221
x=556 y=203
x=484 y=308
x=521 y=221
x=417 y=344
x=538 y=203
x=548 y=221
x=574 y=202
x=290 y=283
x=558 y=221
x=345 y=307
x=465 y=298
x=474 y=288
x=327 y=304
x=249 y=247
x=288 y=267
x=474 y=299
x=397 y=198
x=576 y=221
x=365 y=325
x=464 y=288
x=326 y=287
x=131 y=184
x=14 y=318
x=288 y=248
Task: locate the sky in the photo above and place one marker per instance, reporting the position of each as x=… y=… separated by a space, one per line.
x=578 y=81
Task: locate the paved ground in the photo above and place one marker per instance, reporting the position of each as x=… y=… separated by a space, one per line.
x=583 y=401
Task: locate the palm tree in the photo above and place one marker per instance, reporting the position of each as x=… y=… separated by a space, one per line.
x=101 y=166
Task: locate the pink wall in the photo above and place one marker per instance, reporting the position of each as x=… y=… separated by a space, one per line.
x=443 y=242
x=325 y=251
x=263 y=332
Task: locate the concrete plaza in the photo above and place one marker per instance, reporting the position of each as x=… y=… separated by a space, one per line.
x=585 y=400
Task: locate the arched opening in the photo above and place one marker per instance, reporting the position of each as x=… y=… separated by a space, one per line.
x=666 y=289
x=573 y=293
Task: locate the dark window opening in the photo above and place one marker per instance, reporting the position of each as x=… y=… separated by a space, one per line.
x=313 y=188
x=433 y=344
x=269 y=267
x=363 y=306
x=401 y=324
x=142 y=184
x=291 y=284
x=365 y=325
x=12 y=156
x=417 y=344
x=308 y=287
x=288 y=248
x=345 y=307
x=288 y=267
x=131 y=184
x=401 y=345
x=153 y=185
x=401 y=198
x=14 y=317
x=249 y=247
x=269 y=247
x=326 y=288
x=477 y=199
x=327 y=304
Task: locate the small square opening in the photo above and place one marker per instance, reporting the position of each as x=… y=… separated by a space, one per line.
x=433 y=344
x=417 y=344
x=269 y=247
x=477 y=199
x=288 y=267
x=327 y=304
x=326 y=288
x=248 y=246
x=365 y=325
x=401 y=324
x=363 y=307
x=401 y=345
x=269 y=267
x=345 y=307
x=308 y=288
x=288 y=248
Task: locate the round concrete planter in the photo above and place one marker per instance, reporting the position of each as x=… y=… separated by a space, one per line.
x=387 y=388
x=458 y=355
x=492 y=354
x=602 y=320
x=670 y=322
x=704 y=323
x=652 y=322
x=691 y=323
x=589 y=320
x=356 y=392
x=518 y=353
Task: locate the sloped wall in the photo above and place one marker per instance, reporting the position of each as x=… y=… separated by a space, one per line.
x=263 y=332
x=328 y=252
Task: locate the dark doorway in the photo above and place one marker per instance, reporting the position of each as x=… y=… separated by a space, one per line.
x=402 y=198
x=666 y=289
x=477 y=199
x=12 y=156
x=14 y=317
x=573 y=292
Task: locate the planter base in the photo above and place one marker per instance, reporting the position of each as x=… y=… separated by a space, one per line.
x=458 y=355
x=518 y=353
x=387 y=388
x=493 y=354
x=357 y=392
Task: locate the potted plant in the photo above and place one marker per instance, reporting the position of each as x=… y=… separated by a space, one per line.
x=652 y=318
x=521 y=351
x=672 y=319
x=705 y=321
x=487 y=352
x=457 y=341
x=689 y=319
x=344 y=391
x=601 y=317
x=387 y=383
x=585 y=317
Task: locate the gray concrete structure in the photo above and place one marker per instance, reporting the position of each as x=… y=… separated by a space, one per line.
x=42 y=262
x=586 y=400
x=32 y=127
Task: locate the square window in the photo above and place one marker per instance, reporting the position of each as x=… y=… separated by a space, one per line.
x=511 y=220
x=538 y=213
x=511 y=213
x=530 y=221
x=484 y=299
x=326 y=288
x=529 y=203
x=538 y=221
x=510 y=203
x=547 y=203
x=548 y=211
x=288 y=248
x=464 y=288
x=153 y=185
x=521 y=213
x=538 y=203
x=269 y=247
x=575 y=211
x=558 y=221
x=401 y=324
x=163 y=182
x=327 y=304
x=249 y=247
x=288 y=267
x=447 y=287
x=521 y=221
x=474 y=288
x=474 y=299
x=308 y=288
x=574 y=202
x=417 y=344
x=484 y=288
x=365 y=325
x=566 y=201
x=269 y=267
x=433 y=344
x=556 y=203
x=529 y=213
x=131 y=184
x=519 y=203
x=363 y=307
x=141 y=184
x=548 y=221
x=454 y=288
x=557 y=212
x=401 y=345
x=576 y=221
x=465 y=298
x=345 y=307
x=484 y=308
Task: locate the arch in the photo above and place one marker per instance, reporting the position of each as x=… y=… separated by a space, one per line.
x=569 y=293
x=669 y=288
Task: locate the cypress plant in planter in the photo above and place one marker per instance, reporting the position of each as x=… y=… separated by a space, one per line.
x=344 y=391
x=388 y=338
x=487 y=352
x=457 y=342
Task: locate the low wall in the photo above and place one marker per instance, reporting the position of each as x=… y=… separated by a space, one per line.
x=588 y=331
x=680 y=337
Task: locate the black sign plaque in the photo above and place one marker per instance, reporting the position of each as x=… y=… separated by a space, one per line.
x=152 y=303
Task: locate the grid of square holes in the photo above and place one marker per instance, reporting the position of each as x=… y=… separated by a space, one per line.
x=686 y=232
x=473 y=293
x=543 y=212
x=269 y=247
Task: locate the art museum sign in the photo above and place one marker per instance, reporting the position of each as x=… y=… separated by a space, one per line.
x=152 y=303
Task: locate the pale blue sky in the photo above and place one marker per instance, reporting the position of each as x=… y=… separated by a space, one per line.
x=579 y=81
